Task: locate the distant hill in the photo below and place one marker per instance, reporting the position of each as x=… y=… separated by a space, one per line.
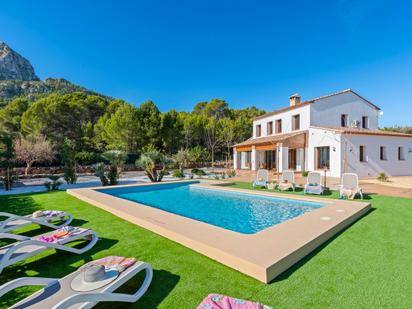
x=35 y=89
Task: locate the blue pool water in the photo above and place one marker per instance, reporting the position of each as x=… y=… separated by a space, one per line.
x=239 y=212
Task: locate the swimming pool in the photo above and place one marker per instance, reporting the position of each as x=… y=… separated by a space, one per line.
x=238 y=212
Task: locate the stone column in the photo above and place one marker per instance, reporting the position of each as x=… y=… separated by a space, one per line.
x=253 y=159
x=283 y=157
x=235 y=163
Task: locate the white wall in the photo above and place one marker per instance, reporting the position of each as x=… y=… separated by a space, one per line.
x=323 y=138
x=286 y=117
x=392 y=166
x=327 y=112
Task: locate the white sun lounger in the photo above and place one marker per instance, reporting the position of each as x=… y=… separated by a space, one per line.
x=26 y=247
x=15 y=221
x=58 y=294
x=314 y=183
x=350 y=183
x=262 y=178
x=287 y=181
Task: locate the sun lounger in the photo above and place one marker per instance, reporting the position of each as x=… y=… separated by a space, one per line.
x=350 y=186
x=48 y=218
x=26 y=247
x=262 y=178
x=60 y=293
x=287 y=181
x=314 y=183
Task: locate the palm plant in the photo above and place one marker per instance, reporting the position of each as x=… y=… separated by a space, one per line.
x=154 y=164
x=116 y=159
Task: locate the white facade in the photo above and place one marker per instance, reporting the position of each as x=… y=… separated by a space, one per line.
x=338 y=128
x=390 y=165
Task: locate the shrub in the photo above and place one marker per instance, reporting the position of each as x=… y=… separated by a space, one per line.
x=100 y=172
x=111 y=175
x=199 y=154
x=198 y=172
x=150 y=159
x=178 y=174
x=53 y=184
x=382 y=177
x=85 y=157
x=305 y=174
x=182 y=158
x=230 y=173
x=7 y=159
x=69 y=161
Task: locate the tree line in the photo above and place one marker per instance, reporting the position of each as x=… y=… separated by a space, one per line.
x=86 y=126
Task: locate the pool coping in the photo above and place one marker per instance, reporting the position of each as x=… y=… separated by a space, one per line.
x=263 y=255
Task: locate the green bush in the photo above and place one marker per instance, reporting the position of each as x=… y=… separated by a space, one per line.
x=198 y=172
x=85 y=157
x=70 y=164
x=178 y=174
x=53 y=184
x=382 y=177
x=305 y=173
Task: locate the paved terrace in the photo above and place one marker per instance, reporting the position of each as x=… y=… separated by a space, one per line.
x=396 y=186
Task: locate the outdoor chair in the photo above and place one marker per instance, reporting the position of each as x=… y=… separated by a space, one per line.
x=314 y=183
x=262 y=178
x=51 y=218
x=26 y=247
x=350 y=186
x=287 y=181
x=75 y=292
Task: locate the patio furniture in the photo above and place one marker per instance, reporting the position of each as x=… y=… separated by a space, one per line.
x=82 y=289
x=26 y=247
x=314 y=183
x=350 y=186
x=48 y=218
x=262 y=178
x=217 y=301
x=287 y=181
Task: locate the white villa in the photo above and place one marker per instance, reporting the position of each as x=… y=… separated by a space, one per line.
x=337 y=133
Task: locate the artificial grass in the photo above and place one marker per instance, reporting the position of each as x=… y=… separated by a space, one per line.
x=366 y=266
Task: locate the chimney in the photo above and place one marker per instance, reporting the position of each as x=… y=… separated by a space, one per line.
x=294 y=99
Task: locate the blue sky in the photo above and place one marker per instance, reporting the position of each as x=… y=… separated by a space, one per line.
x=178 y=53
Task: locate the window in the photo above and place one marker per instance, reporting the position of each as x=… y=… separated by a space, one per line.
x=401 y=155
x=365 y=122
x=278 y=128
x=246 y=159
x=269 y=128
x=383 y=153
x=296 y=122
x=362 y=154
x=270 y=159
x=292 y=154
x=322 y=155
x=258 y=130
x=343 y=120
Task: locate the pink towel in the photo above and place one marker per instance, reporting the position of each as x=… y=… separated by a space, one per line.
x=216 y=301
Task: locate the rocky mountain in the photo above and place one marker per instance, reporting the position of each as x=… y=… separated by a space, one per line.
x=18 y=79
x=14 y=66
x=35 y=89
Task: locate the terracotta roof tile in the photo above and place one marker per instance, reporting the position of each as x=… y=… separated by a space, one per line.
x=272 y=139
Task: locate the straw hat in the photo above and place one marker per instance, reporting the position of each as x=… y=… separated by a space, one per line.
x=92 y=278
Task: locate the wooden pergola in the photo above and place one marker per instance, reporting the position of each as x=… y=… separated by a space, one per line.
x=291 y=140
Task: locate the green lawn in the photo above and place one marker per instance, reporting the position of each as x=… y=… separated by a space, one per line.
x=366 y=266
